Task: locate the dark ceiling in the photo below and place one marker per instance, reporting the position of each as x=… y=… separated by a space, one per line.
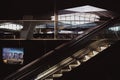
x=16 y=9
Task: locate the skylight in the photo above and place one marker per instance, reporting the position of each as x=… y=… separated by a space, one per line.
x=79 y=15
x=86 y=8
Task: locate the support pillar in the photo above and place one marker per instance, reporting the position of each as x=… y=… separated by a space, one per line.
x=28 y=29
x=55 y=23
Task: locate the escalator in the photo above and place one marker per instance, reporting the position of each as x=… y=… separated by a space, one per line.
x=68 y=56
x=104 y=66
x=74 y=61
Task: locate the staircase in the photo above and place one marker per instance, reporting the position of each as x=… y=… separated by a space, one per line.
x=74 y=61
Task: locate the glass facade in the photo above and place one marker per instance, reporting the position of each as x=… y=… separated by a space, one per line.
x=77 y=18
x=69 y=24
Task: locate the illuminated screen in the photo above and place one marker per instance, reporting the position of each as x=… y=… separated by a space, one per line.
x=13 y=55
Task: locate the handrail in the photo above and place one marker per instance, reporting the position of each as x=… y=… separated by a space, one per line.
x=67 y=46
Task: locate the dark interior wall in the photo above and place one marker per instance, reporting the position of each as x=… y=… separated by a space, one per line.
x=32 y=49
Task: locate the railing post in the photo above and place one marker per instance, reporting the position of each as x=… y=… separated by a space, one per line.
x=55 y=22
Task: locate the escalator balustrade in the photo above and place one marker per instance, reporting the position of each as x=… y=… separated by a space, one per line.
x=74 y=61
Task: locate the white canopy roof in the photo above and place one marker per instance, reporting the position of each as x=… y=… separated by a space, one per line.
x=86 y=8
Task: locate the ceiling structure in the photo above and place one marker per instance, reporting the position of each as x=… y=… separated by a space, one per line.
x=14 y=9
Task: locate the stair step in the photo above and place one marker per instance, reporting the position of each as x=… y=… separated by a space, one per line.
x=95 y=53
x=86 y=58
x=103 y=48
x=98 y=49
x=66 y=70
x=90 y=54
x=49 y=79
x=57 y=75
x=75 y=64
